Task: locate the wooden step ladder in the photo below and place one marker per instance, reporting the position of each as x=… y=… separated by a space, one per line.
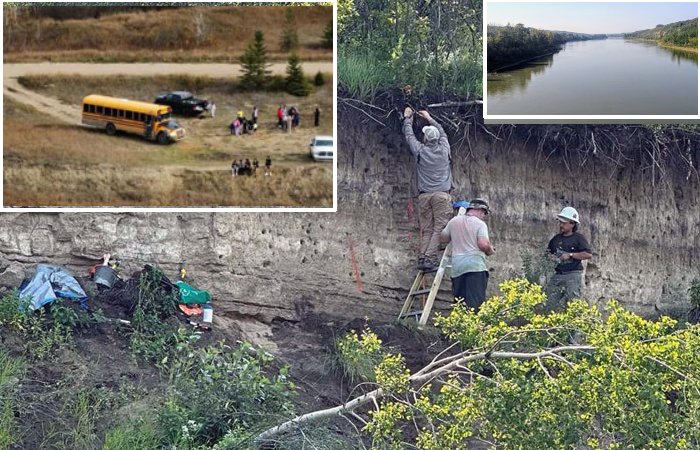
x=415 y=291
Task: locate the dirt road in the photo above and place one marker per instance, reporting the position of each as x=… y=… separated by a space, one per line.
x=71 y=114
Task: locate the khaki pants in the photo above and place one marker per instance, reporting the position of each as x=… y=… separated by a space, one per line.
x=434 y=211
x=561 y=288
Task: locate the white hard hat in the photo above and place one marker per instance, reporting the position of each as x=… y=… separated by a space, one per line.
x=568 y=214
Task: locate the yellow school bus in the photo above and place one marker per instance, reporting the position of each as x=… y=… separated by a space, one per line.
x=145 y=119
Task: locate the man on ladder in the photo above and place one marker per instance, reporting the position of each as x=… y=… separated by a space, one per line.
x=469 y=236
x=418 y=288
x=434 y=184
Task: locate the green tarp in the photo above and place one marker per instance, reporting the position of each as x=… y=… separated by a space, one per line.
x=190 y=295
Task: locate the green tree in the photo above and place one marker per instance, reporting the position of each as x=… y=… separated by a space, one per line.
x=584 y=378
x=296 y=81
x=254 y=62
x=433 y=45
x=327 y=41
x=290 y=39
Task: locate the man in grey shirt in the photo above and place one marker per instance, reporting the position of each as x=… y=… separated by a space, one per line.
x=434 y=184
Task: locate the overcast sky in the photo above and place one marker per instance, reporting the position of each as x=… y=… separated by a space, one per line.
x=589 y=17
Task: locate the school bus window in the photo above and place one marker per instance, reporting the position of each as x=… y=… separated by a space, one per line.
x=86 y=107
x=121 y=113
x=99 y=110
x=129 y=115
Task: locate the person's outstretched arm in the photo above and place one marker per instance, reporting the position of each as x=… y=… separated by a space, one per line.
x=413 y=143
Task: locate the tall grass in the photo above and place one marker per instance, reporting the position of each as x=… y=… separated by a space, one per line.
x=139 y=434
x=11 y=372
x=84 y=410
x=362 y=74
x=209 y=33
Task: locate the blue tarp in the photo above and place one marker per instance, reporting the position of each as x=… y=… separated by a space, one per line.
x=49 y=283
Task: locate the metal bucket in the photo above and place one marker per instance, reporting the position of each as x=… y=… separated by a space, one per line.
x=105 y=276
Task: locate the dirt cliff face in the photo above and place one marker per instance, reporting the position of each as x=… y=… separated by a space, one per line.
x=643 y=227
x=357 y=262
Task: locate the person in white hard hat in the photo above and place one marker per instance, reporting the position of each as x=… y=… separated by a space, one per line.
x=569 y=247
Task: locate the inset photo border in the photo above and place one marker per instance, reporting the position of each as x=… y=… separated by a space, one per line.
x=554 y=61
x=140 y=116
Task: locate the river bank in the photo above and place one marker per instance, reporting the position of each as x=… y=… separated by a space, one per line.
x=523 y=61
x=669 y=46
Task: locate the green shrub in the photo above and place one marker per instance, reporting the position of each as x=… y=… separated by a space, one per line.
x=152 y=336
x=217 y=389
x=357 y=356
x=538 y=267
x=694 y=292
x=10 y=310
x=319 y=79
x=64 y=315
x=42 y=336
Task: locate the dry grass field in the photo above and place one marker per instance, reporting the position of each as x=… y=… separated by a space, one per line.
x=192 y=34
x=48 y=162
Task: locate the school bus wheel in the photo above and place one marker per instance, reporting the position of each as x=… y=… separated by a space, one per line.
x=163 y=138
x=111 y=129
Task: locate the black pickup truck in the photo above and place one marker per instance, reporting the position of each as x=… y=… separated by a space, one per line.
x=183 y=103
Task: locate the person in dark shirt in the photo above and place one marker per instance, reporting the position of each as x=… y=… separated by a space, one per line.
x=256 y=165
x=569 y=248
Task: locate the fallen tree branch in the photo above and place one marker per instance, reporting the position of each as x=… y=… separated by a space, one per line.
x=419 y=378
x=451 y=104
x=321 y=414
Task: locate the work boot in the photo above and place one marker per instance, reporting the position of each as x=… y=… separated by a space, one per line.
x=427 y=265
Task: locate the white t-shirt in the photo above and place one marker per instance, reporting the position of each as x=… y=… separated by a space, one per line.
x=466 y=256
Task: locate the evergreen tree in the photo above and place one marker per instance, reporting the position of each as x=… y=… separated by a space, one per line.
x=297 y=84
x=290 y=40
x=328 y=36
x=319 y=79
x=254 y=62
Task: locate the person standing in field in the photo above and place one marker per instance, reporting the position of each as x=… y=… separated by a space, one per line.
x=280 y=116
x=317 y=117
x=268 y=166
x=255 y=115
x=256 y=166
